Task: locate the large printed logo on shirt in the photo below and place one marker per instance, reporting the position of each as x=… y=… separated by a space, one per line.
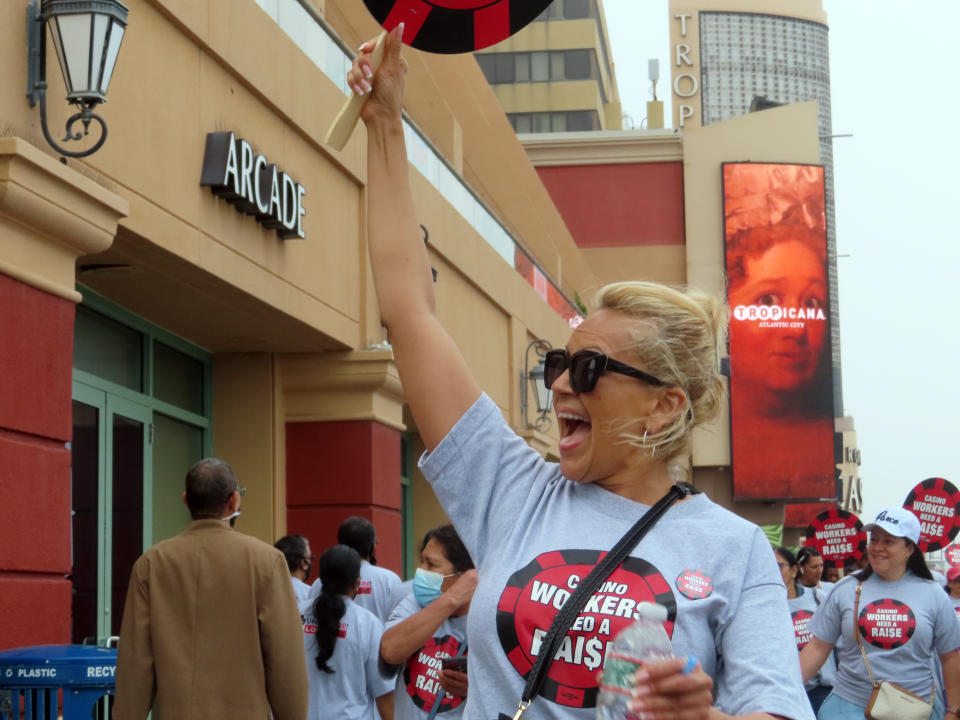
x=800 y=631
x=887 y=623
x=365 y=588
x=534 y=595
x=421 y=674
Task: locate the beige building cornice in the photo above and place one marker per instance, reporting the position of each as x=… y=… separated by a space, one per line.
x=811 y=10
x=606 y=147
x=50 y=215
x=337 y=386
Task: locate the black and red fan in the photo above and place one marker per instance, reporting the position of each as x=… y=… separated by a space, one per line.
x=455 y=26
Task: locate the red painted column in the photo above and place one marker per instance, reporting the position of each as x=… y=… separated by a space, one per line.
x=36 y=356
x=336 y=469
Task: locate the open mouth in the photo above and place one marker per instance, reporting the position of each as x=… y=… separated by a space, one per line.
x=574 y=429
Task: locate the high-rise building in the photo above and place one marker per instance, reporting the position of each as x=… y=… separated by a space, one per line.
x=557 y=74
x=731 y=57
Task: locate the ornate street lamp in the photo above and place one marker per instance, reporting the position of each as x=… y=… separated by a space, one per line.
x=87 y=36
x=535 y=376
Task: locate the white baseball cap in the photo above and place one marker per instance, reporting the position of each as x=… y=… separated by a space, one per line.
x=897 y=521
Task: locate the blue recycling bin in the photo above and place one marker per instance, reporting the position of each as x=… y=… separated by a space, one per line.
x=38 y=674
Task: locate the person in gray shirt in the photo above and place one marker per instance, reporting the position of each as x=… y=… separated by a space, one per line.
x=634 y=380
x=905 y=621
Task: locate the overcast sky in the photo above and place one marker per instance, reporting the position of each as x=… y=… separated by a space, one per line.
x=892 y=75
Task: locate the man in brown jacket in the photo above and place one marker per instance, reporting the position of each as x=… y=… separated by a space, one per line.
x=211 y=628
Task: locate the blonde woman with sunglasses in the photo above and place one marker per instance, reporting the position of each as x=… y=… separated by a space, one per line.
x=633 y=381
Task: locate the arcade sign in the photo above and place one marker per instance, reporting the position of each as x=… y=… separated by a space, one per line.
x=839 y=537
x=253 y=184
x=936 y=503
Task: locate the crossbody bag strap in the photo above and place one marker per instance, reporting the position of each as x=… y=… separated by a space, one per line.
x=574 y=604
x=856 y=632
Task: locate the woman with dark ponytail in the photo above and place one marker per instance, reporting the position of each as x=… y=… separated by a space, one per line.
x=342 y=645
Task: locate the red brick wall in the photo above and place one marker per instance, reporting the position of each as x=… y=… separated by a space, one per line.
x=339 y=469
x=36 y=356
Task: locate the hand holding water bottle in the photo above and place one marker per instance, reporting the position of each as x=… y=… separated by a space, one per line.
x=643 y=680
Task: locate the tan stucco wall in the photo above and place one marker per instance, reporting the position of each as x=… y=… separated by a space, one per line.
x=248 y=424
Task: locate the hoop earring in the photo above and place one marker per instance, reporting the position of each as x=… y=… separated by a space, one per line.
x=643 y=442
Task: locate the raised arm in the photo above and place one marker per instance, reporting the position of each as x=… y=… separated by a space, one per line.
x=438 y=384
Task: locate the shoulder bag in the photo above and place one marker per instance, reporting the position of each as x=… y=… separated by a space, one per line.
x=889 y=701
x=571 y=609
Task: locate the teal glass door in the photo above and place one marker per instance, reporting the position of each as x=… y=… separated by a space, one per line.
x=112 y=505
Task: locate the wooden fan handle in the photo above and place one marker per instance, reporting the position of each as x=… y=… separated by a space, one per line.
x=342 y=127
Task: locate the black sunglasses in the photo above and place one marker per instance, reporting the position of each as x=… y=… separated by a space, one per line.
x=586 y=367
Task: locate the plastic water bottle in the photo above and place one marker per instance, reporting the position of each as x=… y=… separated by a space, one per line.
x=641 y=642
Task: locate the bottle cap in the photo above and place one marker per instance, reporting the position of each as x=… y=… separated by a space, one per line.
x=652 y=611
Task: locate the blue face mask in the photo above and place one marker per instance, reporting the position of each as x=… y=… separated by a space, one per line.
x=426 y=586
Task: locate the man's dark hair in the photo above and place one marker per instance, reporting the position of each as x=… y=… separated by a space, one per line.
x=358 y=533
x=294 y=549
x=453 y=548
x=209 y=485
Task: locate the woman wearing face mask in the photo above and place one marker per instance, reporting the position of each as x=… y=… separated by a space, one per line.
x=429 y=625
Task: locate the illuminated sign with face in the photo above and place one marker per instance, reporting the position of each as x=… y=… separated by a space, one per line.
x=780 y=384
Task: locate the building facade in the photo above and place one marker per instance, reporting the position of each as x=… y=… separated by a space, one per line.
x=147 y=321
x=557 y=74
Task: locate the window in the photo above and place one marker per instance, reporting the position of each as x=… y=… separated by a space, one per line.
x=577 y=64
x=541 y=122
x=539 y=67
x=522 y=123
x=568 y=10
x=503 y=68
x=575 y=9
x=557 y=65
x=486 y=62
x=580 y=120
x=522 y=68
x=108 y=349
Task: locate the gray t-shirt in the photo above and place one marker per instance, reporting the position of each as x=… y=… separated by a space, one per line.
x=418 y=678
x=377 y=585
x=350 y=692
x=300 y=589
x=904 y=626
x=533 y=535
x=802 y=609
